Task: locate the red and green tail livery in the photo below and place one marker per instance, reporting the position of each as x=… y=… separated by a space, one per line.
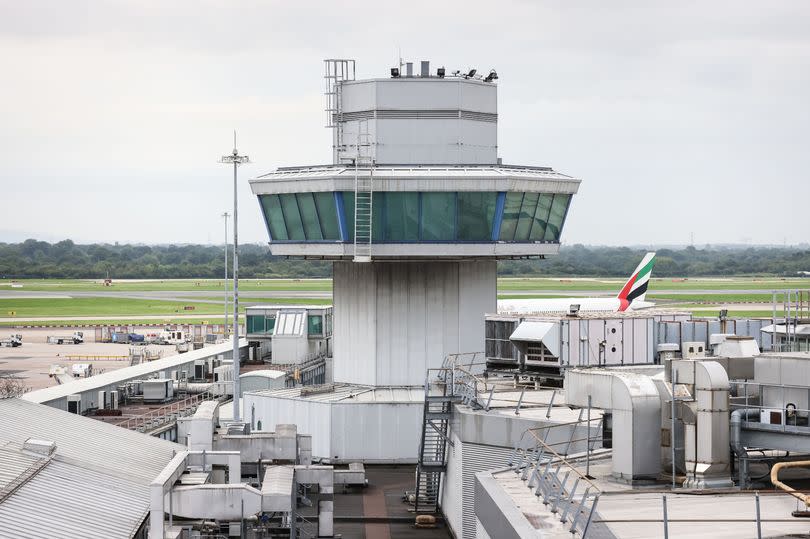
x=636 y=287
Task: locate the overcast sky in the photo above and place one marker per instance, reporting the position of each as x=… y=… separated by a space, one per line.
x=679 y=117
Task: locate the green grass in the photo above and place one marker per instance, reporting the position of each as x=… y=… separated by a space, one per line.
x=35 y=307
x=505 y=284
x=174 y=285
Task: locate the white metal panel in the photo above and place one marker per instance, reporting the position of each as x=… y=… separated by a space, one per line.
x=422 y=311
x=359 y=96
x=382 y=432
x=311 y=417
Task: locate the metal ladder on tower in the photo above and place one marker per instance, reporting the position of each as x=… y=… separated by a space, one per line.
x=363 y=195
x=433 y=446
x=336 y=72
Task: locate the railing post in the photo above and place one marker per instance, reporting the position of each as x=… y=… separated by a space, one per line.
x=666 y=521
x=590 y=516
x=759 y=521
x=562 y=492
x=520 y=401
x=489 y=400
x=579 y=510
x=569 y=501
x=550 y=404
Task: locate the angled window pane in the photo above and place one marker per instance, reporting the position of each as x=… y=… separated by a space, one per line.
x=511 y=211
x=309 y=216
x=401 y=221
x=475 y=214
x=526 y=217
x=274 y=217
x=269 y=324
x=555 y=219
x=541 y=217
x=438 y=216
x=327 y=212
x=348 y=213
x=292 y=217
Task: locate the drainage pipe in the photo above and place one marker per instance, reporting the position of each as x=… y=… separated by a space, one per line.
x=735 y=440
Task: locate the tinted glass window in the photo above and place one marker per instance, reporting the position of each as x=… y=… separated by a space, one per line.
x=401 y=217
x=292 y=217
x=274 y=217
x=327 y=212
x=475 y=214
x=541 y=217
x=315 y=324
x=526 y=217
x=511 y=211
x=556 y=217
x=438 y=216
x=309 y=216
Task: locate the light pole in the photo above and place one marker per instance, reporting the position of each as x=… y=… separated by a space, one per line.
x=235 y=159
x=225 y=331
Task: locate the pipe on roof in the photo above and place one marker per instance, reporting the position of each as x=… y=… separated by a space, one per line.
x=790 y=490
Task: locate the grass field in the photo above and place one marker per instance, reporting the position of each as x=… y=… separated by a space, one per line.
x=117 y=309
x=173 y=285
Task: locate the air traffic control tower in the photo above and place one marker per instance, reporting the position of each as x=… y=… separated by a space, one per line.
x=415 y=210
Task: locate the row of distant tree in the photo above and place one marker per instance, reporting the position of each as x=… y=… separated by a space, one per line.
x=65 y=259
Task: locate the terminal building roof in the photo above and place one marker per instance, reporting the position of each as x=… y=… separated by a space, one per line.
x=93 y=481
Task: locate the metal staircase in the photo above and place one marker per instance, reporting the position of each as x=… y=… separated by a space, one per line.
x=433 y=450
x=445 y=386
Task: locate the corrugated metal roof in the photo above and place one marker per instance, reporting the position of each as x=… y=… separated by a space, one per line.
x=67 y=501
x=13 y=464
x=347 y=393
x=87 y=442
x=95 y=486
x=128 y=373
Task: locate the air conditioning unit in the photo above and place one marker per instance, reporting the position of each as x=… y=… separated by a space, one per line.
x=693 y=350
x=102 y=400
x=113 y=400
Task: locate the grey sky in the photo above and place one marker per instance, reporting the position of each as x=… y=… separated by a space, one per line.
x=679 y=116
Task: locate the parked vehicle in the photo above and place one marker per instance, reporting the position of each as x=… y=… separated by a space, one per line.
x=82 y=370
x=76 y=338
x=173 y=336
x=12 y=342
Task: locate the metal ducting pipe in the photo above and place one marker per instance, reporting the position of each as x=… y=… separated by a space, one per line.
x=735 y=440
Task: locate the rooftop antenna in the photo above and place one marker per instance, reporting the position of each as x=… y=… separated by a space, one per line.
x=235 y=159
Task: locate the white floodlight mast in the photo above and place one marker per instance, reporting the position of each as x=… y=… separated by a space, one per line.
x=235 y=159
x=225 y=330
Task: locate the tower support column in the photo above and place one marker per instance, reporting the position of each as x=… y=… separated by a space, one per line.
x=394 y=320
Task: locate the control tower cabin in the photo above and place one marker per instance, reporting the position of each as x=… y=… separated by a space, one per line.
x=415 y=210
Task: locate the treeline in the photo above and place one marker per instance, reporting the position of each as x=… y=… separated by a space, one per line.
x=66 y=260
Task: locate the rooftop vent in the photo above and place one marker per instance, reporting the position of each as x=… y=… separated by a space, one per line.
x=39 y=447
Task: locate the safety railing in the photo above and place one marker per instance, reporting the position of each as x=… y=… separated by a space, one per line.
x=166 y=414
x=548 y=473
x=788 y=416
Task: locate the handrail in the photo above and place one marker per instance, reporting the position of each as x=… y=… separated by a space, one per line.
x=557 y=457
x=790 y=490
x=166 y=413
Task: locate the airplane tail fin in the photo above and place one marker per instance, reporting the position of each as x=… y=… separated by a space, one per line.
x=636 y=287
